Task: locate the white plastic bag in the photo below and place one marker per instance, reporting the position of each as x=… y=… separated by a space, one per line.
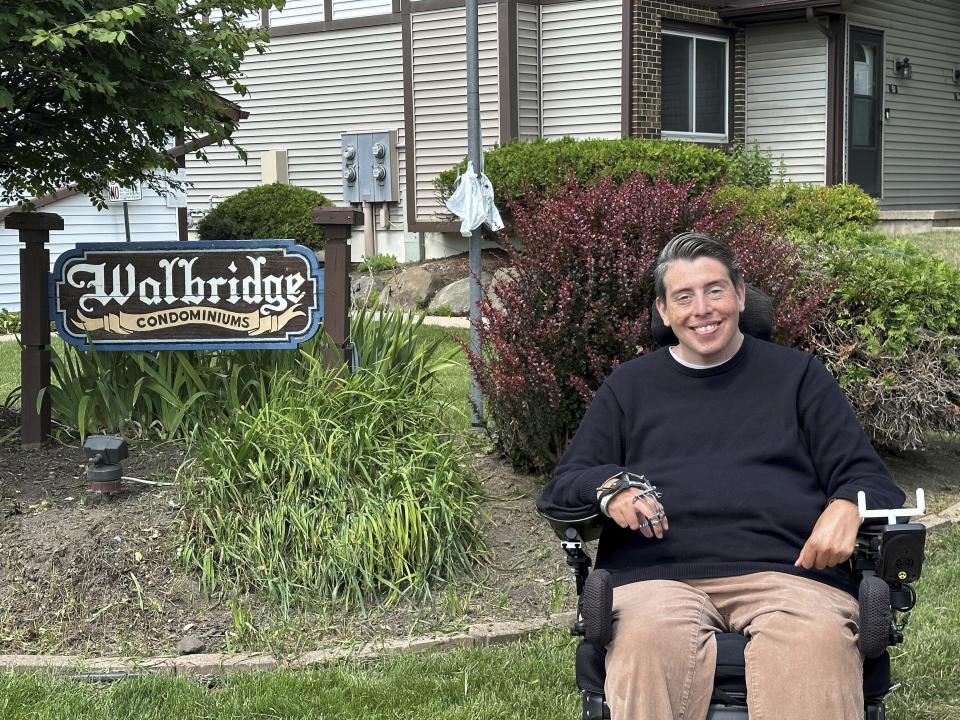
x=472 y=202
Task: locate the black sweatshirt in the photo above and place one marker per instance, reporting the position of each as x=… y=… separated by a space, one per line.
x=747 y=455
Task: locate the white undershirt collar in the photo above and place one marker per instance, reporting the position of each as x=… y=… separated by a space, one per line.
x=693 y=366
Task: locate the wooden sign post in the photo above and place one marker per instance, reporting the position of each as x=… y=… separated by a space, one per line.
x=34 y=231
x=337 y=224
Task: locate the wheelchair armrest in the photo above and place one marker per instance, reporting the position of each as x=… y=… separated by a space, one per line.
x=587 y=528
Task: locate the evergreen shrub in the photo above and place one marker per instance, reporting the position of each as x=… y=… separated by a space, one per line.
x=266 y=212
x=9 y=321
x=750 y=166
x=804 y=210
x=892 y=335
x=378 y=263
x=544 y=166
x=576 y=302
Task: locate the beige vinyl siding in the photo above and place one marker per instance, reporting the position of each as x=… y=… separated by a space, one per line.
x=359 y=8
x=440 y=95
x=297 y=11
x=580 y=69
x=304 y=92
x=787 y=97
x=528 y=72
x=921 y=139
x=150 y=221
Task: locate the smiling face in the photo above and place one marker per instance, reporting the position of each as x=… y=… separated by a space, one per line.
x=702 y=307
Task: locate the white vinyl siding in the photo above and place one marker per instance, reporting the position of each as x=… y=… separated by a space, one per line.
x=150 y=221
x=439 y=78
x=787 y=97
x=921 y=138
x=304 y=92
x=251 y=19
x=359 y=8
x=580 y=69
x=528 y=72
x=296 y=12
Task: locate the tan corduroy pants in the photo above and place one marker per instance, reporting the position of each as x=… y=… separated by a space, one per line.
x=802 y=661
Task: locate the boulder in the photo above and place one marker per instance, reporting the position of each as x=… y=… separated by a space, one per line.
x=456 y=295
x=504 y=274
x=410 y=289
x=362 y=289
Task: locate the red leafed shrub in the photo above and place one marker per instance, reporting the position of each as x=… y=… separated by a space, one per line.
x=576 y=300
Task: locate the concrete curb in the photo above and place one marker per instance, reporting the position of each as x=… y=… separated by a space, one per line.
x=221 y=663
x=947 y=517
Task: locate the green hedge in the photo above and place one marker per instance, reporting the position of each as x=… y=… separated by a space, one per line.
x=545 y=165
x=275 y=211
x=891 y=335
x=804 y=210
x=890 y=290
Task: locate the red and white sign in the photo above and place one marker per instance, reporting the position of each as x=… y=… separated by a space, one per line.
x=117 y=194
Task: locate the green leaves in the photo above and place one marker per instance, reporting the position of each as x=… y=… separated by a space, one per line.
x=350 y=489
x=93 y=92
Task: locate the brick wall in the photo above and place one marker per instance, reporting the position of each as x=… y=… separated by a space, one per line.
x=647 y=16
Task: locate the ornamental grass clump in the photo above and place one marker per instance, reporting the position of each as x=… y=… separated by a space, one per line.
x=339 y=489
x=576 y=302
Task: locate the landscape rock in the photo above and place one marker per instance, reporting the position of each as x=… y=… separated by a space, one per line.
x=190 y=645
x=504 y=274
x=362 y=289
x=411 y=289
x=456 y=295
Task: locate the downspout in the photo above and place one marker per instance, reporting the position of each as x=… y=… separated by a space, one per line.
x=831 y=138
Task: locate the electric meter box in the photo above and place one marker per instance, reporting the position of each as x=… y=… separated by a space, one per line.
x=370 y=166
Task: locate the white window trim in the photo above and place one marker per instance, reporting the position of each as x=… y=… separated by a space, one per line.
x=695 y=136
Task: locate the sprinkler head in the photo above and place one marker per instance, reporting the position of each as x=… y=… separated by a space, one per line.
x=104 y=454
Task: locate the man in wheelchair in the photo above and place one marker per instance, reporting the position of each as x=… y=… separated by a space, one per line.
x=724 y=472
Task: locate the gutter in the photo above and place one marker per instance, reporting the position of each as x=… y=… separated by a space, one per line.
x=771 y=11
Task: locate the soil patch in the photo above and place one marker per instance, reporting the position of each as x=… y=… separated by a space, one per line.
x=86 y=575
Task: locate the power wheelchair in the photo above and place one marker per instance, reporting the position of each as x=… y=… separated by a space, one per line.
x=887 y=560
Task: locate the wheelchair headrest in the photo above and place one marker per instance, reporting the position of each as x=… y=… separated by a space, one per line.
x=756 y=319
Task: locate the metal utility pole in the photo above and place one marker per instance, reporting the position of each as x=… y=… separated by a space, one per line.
x=475 y=154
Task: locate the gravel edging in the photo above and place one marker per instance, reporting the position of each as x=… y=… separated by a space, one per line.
x=219 y=663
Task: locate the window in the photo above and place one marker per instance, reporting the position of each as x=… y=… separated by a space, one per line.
x=694 y=86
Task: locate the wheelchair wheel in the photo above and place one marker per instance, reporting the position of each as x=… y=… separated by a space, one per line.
x=876 y=615
x=596 y=607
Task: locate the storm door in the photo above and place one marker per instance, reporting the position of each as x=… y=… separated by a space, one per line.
x=865 y=108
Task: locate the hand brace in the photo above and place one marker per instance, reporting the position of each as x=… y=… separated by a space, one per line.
x=624 y=481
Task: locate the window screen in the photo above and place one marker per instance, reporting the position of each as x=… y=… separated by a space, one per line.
x=694 y=85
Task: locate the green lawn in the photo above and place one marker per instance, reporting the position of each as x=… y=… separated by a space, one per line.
x=531 y=680
x=455 y=380
x=945 y=243
x=9 y=367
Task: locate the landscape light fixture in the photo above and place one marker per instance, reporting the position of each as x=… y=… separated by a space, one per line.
x=104 y=454
x=956 y=74
x=903 y=68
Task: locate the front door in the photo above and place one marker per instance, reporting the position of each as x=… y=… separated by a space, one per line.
x=864 y=119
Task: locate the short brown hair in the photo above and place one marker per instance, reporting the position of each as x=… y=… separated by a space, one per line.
x=690 y=246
